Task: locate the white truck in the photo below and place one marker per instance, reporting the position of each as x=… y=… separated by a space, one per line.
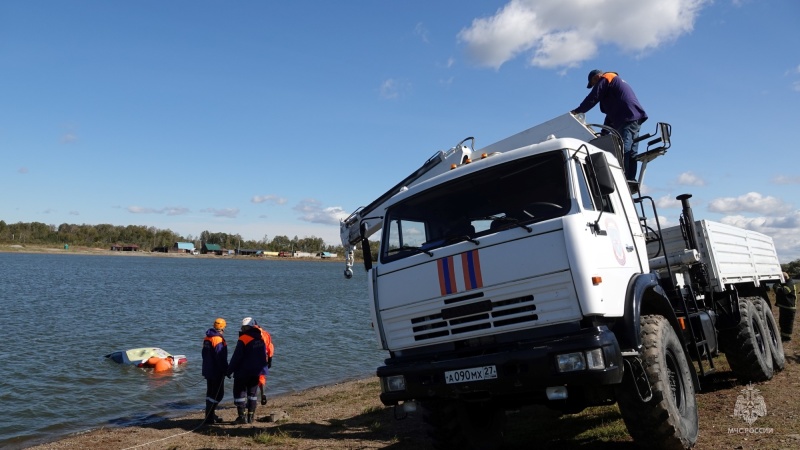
x=531 y=272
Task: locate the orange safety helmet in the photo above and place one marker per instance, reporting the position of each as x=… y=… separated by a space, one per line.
x=219 y=324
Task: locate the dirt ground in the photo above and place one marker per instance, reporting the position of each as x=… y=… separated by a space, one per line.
x=350 y=416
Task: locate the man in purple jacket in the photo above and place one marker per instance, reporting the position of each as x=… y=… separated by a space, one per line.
x=622 y=109
x=249 y=360
x=215 y=366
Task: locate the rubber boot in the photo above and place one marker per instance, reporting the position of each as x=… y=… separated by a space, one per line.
x=214 y=417
x=250 y=416
x=786 y=323
x=241 y=419
x=208 y=419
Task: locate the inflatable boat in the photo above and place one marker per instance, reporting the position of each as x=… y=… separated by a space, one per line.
x=148 y=357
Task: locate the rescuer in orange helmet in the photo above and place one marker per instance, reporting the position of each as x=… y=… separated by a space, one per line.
x=215 y=366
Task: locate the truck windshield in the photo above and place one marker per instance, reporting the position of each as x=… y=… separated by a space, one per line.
x=516 y=194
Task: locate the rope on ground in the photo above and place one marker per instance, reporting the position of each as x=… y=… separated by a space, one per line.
x=202 y=422
x=163 y=439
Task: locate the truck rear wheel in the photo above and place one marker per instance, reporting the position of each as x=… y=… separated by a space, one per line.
x=746 y=345
x=773 y=335
x=668 y=420
x=462 y=425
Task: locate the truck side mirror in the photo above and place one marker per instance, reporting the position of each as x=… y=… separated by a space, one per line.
x=602 y=173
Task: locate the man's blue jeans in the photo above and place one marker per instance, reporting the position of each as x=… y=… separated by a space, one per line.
x=629 y=132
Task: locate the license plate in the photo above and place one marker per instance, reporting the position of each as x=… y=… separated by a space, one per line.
x=473 y=374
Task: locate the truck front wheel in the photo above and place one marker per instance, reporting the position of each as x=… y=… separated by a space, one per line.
x=668 y=419
x=469 y=426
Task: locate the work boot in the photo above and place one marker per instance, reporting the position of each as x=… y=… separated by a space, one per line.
x=241 y=419
x=212 y=416
x=250 y=417
x=208 y=419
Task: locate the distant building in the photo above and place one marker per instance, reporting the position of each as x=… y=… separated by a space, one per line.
x=184 y=247
x=325 y=255
x=124 y=248
x=214 y=249
x=249 y=252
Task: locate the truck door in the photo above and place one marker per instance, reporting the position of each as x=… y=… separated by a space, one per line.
x=612 y=250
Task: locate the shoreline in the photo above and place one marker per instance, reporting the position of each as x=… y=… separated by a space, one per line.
x=17 y=248
x=332 y=416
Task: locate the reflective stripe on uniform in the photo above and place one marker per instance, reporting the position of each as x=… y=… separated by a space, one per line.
x=240 y=400
x=212 y=400
x=252 y=398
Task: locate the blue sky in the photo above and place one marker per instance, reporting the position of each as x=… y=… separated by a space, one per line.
x=279 y=118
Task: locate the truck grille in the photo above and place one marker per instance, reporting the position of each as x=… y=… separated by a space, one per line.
x=475 y=316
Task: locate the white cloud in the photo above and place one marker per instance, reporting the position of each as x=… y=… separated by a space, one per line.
x=667 y=201
x=169 y=210
x=268 y=199
x=175 y=210
x=786 y=179
x=690 y=179
x=142 y=210
x=750 y=202
x=230 y=213
x=565 y=33
x=69 y=138
x=666 y=222
x=392 y=88
x=421 y=32
x=312 y=211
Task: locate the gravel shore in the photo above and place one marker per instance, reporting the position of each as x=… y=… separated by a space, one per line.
x=345 y=415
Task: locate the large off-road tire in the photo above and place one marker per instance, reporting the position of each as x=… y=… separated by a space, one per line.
x=773 y=336
x=668 y=420
x=746 y=347
x=461 y=425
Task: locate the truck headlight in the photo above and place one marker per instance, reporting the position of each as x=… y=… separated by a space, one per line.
x=570 y=362
x=394 y=383
x=589 y=359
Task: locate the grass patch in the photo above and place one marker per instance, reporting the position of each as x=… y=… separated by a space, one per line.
x=374 y=409
x=277 y=437
x=589 y=427
x=375 y=425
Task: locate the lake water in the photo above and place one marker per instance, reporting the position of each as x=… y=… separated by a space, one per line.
x=62 y=313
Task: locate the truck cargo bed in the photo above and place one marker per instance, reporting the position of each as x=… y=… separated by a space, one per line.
x=732 y=255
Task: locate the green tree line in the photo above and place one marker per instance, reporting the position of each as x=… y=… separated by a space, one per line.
x=148 y=238
x=792 y=268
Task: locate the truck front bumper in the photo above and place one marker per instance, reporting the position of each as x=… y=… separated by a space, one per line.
x=523 y=370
